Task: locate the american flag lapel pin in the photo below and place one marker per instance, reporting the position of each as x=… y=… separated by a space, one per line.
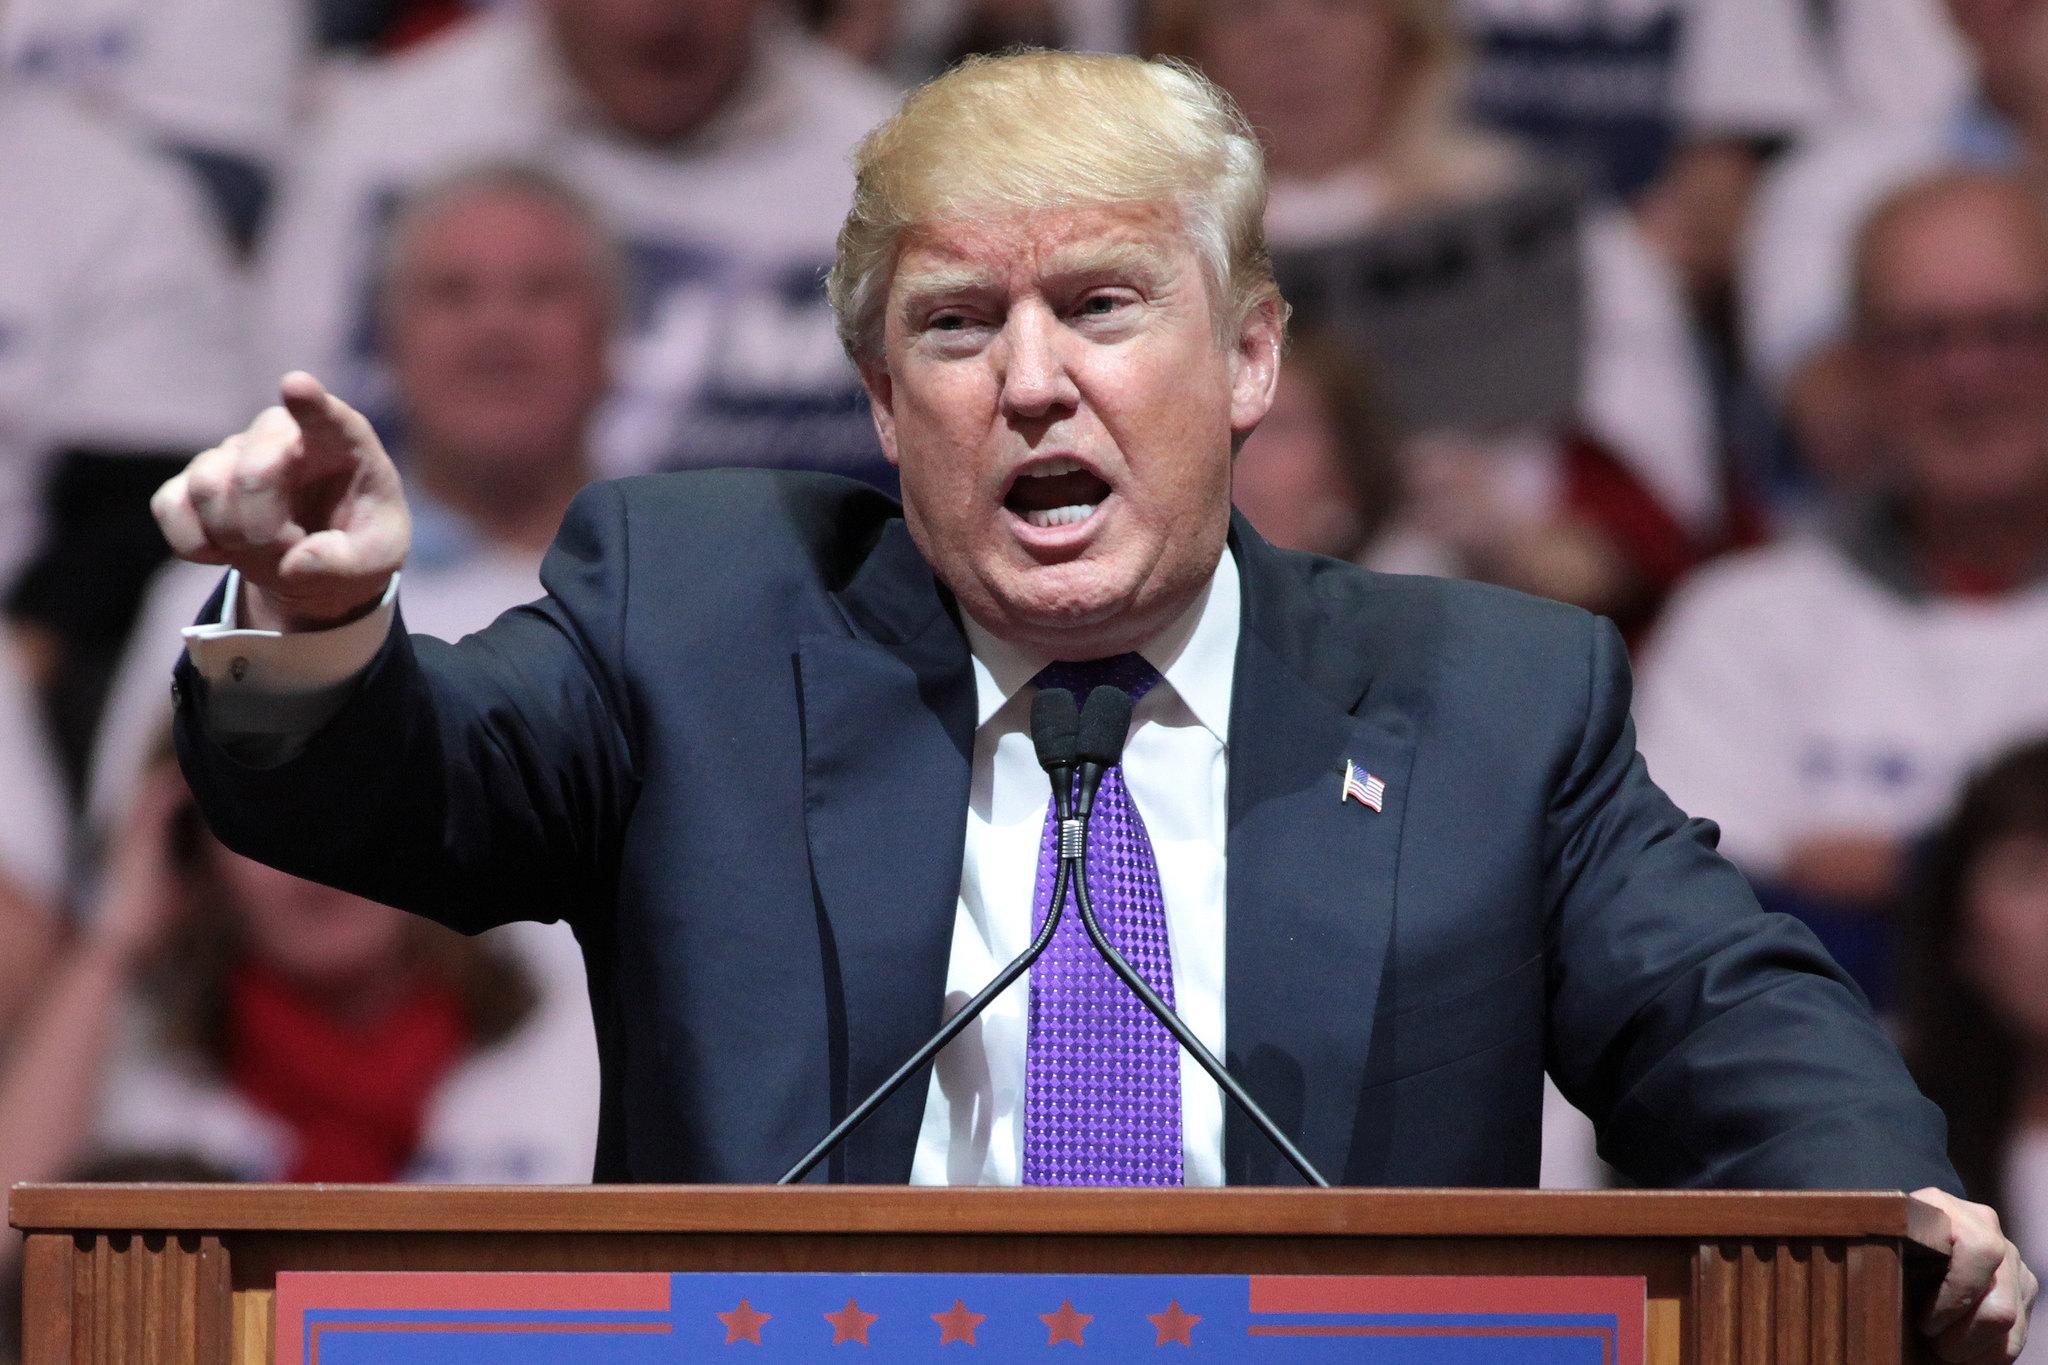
x=1369 y=791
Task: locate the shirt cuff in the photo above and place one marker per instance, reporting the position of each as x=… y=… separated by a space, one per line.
x=276 y=682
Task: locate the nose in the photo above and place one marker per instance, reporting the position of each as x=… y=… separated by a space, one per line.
x=1036 y=381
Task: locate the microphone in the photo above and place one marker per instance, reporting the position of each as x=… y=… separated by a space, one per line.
x=1056 y=734
x=1055 y=725
x=1105 y=720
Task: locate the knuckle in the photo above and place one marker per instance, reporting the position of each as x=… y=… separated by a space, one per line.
x=255 y=476
x=204 y=486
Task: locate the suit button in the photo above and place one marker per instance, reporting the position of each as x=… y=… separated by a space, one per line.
x=177 y=693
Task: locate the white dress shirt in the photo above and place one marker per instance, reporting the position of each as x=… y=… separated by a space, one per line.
x=1175 y=768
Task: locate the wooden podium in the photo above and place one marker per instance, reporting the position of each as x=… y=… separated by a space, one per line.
x=144 y=1273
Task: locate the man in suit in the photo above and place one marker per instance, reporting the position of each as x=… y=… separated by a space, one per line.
x=764 y=743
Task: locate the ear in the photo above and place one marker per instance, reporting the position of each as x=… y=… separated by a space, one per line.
x=874 y=377
x=1255 y=366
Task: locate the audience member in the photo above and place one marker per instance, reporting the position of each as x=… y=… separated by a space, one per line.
x=122 y=344
x=1332 y=471
x=217 y=82
x=914 y=40
x=498 y=300
x=1822 y=698
x=283 y=1031
x=1976 y=1013
x=499 y=296
x=1357 y=107
x=712 y=135
x=1796 y=266
x=1322 y=472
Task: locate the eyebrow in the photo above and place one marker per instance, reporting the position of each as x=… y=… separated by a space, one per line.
x=927 y=286
x=1144 y=263
x=1130 y=259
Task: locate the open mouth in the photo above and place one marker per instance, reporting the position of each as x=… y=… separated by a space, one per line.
x=1057 y=493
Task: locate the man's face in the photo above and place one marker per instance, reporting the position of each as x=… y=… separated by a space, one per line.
x=1990 y=26
x=497 y=323
x=655 y=68
x=1317 y=78
x=1054 y=395
x=1956 y=332
x=1290 y=481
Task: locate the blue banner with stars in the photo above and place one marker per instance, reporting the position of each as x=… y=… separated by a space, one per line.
x=353 y=1318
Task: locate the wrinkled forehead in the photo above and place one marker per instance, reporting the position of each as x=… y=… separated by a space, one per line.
x=998 y=248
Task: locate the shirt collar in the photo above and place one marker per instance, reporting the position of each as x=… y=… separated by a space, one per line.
x=1196 y=655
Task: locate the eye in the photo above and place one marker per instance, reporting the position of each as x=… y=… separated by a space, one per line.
x=1101 y=305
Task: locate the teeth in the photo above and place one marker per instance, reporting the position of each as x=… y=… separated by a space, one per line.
x=1061 y=466
x=1061 y=516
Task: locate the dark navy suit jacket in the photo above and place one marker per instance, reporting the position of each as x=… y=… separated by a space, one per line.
x=732 y=747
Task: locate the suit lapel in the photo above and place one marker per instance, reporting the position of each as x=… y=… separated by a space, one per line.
x=1311 y=876
x=888 y=722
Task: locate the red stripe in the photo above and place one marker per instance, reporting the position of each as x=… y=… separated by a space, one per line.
x=1623 y=1297
x=299 y=1292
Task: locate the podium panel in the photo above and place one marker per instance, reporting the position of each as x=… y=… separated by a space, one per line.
x=145 y=1273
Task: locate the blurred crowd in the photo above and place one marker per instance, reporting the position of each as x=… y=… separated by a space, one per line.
x=1725 y=318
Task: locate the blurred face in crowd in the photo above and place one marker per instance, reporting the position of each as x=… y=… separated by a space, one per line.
x=1289 y=480
x=312 y=935
x=2002 y=34
x=2007 y=920
x=1054 y=393
x=497 y=319
x=1317 y=78
x=1956 y=331
x=657 y=69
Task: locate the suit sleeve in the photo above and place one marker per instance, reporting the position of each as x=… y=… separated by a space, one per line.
x=475 y=783
x=1713 y=1045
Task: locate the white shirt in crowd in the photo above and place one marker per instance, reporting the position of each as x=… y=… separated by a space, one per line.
x=1769 y=68
x=223 y=76
x=121 y=321
x=731 y=355
x=1789 y=693
x=35 y=835
x=2026 y=1221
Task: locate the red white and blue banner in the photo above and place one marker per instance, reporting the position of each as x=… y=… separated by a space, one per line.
x=348 y=1318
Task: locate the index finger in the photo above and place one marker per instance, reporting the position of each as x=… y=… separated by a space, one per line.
x=322 y=418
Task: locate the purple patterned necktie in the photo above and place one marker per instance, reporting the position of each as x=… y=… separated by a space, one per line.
x=1102 y=1076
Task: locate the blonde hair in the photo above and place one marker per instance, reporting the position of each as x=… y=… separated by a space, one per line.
x=1035 y=130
